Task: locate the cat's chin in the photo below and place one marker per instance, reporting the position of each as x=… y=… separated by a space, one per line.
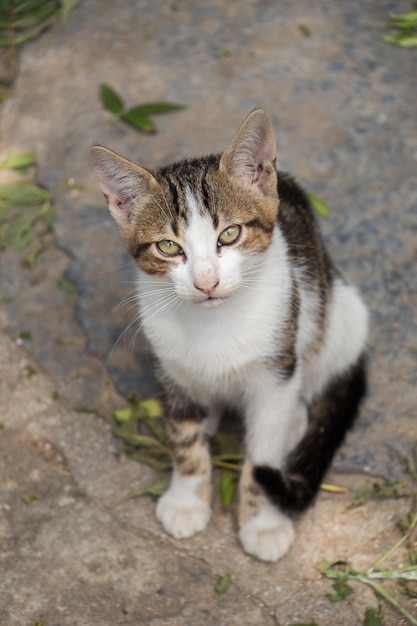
x=210 y=303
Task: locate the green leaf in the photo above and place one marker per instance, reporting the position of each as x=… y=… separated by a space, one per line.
x=152 y=408
x=31 y=371
x=19 y=234
x=342 y=589
x=223 y=584
x=138 y=121
x=25 y=335
x=153 y=108
x=23 y=193
x=318 y=205
x=111 y=99
x=66 y=286
x=122 y=415
x=19 y=162
x=373 y=617
x=406 y=589
x=304 y=30
x=228 y=486
x=27 y=498
x=5 y=208
x=302 y=624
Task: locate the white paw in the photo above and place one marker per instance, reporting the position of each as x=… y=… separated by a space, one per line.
x=182 y=517
x=268 y=535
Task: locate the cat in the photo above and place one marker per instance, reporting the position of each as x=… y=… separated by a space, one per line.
x=244 y=310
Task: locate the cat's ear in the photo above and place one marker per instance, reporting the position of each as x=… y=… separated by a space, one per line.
x=251 y=155
x=125 y=185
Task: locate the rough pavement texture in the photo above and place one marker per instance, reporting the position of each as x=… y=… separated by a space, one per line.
x=343 y=104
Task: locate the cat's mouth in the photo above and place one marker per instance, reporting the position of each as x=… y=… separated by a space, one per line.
x=210 y=302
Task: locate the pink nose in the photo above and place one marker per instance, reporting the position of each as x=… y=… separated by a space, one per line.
x=206 y=286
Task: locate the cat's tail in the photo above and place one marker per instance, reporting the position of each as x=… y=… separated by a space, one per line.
x=294 y=488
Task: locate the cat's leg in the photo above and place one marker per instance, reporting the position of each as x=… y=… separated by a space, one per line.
x=184 y=509
x=265 y=531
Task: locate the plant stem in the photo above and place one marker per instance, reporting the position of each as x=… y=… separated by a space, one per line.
x=387 y=597
x=395 y=546
x=216 y=462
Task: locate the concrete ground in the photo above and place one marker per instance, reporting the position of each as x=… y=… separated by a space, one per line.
x=344 y=107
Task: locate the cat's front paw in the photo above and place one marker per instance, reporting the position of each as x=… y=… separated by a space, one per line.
x=268 y=535
x=185 y=518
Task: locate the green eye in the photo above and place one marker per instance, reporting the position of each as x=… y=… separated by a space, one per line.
x=169 y=248
x=229 y=236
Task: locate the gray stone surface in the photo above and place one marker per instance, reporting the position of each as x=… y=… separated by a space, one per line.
x=343 y=104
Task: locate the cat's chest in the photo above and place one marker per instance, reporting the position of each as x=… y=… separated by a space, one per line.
x=214 y=349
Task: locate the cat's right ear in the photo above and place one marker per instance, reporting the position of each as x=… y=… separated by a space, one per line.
x=125 y=185
x=251 y=155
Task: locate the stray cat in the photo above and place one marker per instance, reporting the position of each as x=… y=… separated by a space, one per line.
x=244 y=310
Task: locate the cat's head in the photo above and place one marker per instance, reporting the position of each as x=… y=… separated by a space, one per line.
x=201 y=222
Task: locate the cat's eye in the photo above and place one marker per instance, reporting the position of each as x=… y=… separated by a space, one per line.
x=169 y=248
x=229 y=235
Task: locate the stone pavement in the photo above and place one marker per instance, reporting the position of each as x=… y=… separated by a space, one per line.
x=344 y=107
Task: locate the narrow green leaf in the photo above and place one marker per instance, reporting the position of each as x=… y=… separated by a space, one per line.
x=33 y=13
x=228 y=486
x=66 y=7
x=153 y=108
x=405 y=19
x=158 y=487
x=25 y=335
x=48 y=216
x=143 y=441
x=318 y=205
x=66 y=286
x=140 y=122
x=25 y=7
x=156 y=429
x=223 y=584
x=407 y=42
x=158 y=463
x=19 y=162
x=111 y=99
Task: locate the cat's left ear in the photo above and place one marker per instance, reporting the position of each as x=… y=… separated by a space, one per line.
x=125 y=185
x=251 y=155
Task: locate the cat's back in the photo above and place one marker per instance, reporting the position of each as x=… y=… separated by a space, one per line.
x=299 y=226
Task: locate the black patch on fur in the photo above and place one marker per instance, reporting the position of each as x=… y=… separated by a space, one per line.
x=141 y=248
x=306 y=249
x=174 y=227
x=293 y=490
x=255 y=223
x=205 y=193
x=177 y=404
